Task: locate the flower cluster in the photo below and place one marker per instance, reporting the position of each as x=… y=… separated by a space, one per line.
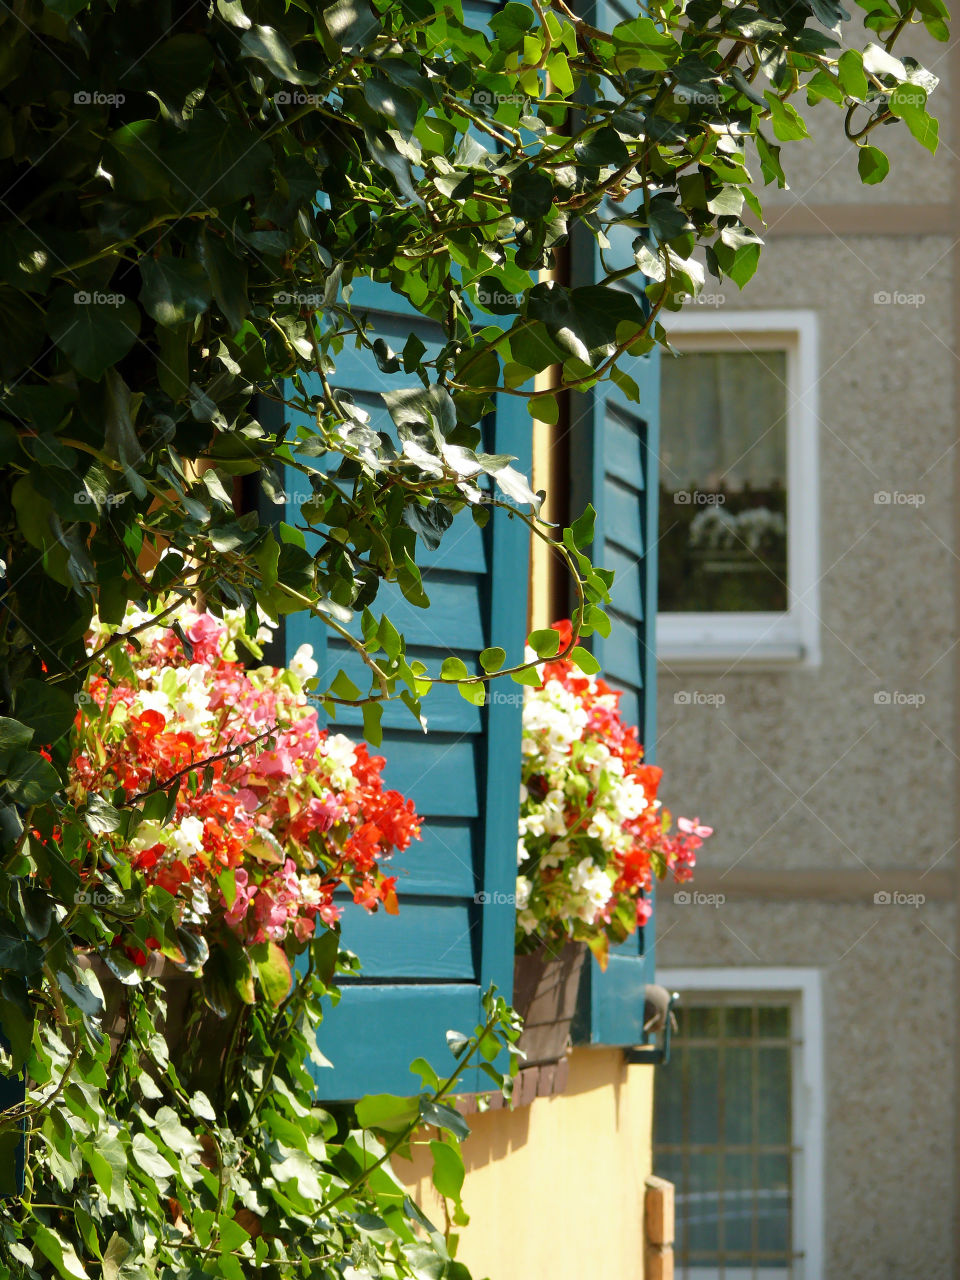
x=272 y=813
x=592 y=831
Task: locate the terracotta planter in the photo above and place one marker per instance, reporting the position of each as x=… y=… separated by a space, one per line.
x=545 y=986
x=198 y=1053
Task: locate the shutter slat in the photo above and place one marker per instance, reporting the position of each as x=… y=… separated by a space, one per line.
x=427 y=940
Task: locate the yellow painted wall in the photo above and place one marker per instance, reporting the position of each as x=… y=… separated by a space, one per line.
x=555 y=1189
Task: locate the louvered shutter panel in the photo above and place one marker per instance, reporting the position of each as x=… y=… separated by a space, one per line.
x=614 y=466
x=425 y=970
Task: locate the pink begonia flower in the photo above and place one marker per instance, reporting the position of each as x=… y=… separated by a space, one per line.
x=272 y=764
x=271 y=914
x=693 y=828
x=321 y=814
x=249 y=799
x=203 y=635
x=245 y=895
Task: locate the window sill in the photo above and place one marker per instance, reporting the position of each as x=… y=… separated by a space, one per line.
x=743 y=657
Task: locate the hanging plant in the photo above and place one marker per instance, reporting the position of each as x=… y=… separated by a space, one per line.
x=227 y=796
x=593 y=834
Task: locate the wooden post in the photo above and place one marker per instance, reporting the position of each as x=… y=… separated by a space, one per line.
x=658 y=1229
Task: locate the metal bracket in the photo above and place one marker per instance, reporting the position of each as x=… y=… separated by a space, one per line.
x=650 y=1053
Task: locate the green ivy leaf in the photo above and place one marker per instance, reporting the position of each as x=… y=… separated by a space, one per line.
x=13 y=736
x=31 y=779
x=372 y=728
x=47 y=710
x=60 y=1252
x=545 y=643
x=387 y=1113
x=270 y=47
x=174 y=290
x=448 y=1171
x=872 y=165
x=453 y=668
x=585 y=660
x=351 y=23
x=93 y=329
x=492 y=659
x=444 y=1117
x=475 y=694
x=531 y=194
x=148 y=1158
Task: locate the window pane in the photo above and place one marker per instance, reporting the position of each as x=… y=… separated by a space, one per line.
x=668 y=1105
x=723 y=1133
x=723 y=482
x=738 y=1024
x=738 y=1204
x=700 y=1206
x=738 y=1097
x=773 y=1070
x=773 y=1217
x=699 y=1021
x=775 y=1022
x=701 y=1093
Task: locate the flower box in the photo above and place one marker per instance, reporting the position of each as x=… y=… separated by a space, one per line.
x=545 y=986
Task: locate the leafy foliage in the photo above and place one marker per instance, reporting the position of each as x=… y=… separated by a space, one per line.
x=168 y=1156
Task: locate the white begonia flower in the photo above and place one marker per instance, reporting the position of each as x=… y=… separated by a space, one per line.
x=579 y=874
x=554 y=817
x=193 y=710
x=586 y=877
x=153 y=700
x=555 y=854
x=340 y=757
x=524 y=793
x=598 y=887
x=148 y=834
x=531 y=824
x=303 y=665
x=596 y=755
x=521 y=852
x=527 y=921
x=603 y=828
x=187 y=839
x=630 y=799
x=523 y=892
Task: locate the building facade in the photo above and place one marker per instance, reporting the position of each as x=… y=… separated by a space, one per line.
x=808 y=699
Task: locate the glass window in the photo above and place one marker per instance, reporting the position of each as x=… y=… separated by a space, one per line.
x=723 y=1134
x=723 y=482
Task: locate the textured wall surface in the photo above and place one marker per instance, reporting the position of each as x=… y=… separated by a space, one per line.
x=802 y=769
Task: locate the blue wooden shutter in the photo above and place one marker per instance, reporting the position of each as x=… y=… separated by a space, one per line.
x=614 y=465
x=425 y=970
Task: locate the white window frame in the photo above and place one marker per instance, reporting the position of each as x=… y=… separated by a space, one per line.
x=802 y=990
x=719 y=640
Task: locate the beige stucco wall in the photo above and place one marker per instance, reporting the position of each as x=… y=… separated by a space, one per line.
x=801 y=771
x=555 y=1189
x=866 y=772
